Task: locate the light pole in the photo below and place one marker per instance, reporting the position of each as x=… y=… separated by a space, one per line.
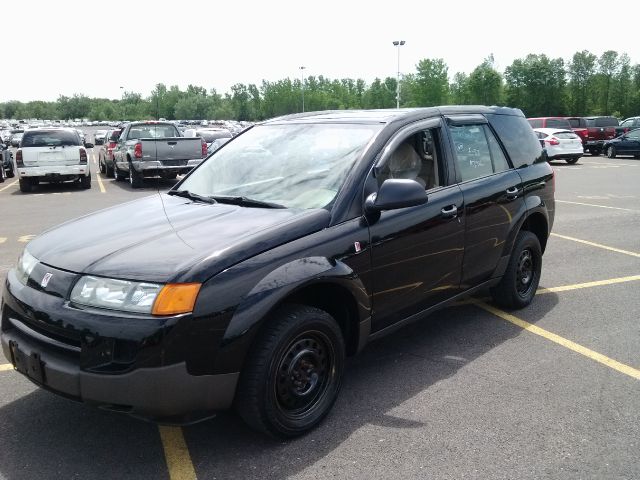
x=398 y=44
x=302 y=84
x=124 y=106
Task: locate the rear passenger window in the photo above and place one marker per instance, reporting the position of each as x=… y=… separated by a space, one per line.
x=477 y=151
x=518 y=139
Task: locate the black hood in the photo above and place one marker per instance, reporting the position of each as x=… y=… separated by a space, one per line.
x=170 y=239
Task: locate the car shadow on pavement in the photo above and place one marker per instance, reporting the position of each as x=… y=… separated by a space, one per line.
x=44 y=436
x=384 y=376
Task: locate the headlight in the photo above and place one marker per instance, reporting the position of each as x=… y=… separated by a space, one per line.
x=26 y=264
x=138 y=297
x=115 y=294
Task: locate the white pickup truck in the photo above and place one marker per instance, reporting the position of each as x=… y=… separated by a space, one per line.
x=155 y=149
x=52 y=155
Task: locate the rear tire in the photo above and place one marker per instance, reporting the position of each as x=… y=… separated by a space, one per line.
x=109 y=171
x=520 y=281
x=611 y=151
x=135 y=179
x=11 y=173
x=293 y=375
x=26 y=185
x=103 y=167
x=571 y=161
x=119 y=176
x=85 y=182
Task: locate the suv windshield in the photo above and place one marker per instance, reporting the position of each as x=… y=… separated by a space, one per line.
x=50 y=138
x=294 y=165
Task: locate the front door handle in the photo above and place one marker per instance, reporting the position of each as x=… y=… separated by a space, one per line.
x=449 y=212
x=512 y=193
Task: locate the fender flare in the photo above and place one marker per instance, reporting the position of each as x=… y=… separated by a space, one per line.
x=278 y=285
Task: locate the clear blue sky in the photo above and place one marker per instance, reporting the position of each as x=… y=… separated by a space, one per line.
x=67 y=47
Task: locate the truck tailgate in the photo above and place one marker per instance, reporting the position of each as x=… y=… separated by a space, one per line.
x=172 y=149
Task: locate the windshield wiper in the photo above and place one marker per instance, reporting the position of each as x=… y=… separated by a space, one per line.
x=191 y=196
x=245 y=202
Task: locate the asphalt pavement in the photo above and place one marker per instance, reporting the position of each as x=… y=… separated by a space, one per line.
x=550 y=391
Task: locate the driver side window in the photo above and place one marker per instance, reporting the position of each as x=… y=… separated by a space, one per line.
x=416 y=158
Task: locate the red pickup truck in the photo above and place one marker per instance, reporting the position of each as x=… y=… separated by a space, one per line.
x=594 y=131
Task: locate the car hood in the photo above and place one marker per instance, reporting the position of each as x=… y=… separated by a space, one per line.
x=163 y=238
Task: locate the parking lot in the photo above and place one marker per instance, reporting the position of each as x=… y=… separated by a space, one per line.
x=551 y=391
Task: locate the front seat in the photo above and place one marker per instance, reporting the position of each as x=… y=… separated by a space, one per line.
x=406 y=163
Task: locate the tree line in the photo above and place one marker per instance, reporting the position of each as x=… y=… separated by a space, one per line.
x=538 y=85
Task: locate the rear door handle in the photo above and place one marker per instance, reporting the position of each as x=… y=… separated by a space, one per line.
x=512 y=193
x=449 y=212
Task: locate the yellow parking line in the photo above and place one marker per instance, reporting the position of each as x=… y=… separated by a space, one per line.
x=6 y=366
x=597 y=283
x=599 y=206
x=7 y=186
x=26 y=238
x=102 y=190
x=3 y=239
x=176 y=454
x=598 y=357
x=626 y=252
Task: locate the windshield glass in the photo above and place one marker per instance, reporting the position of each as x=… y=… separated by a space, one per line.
x=295 y=165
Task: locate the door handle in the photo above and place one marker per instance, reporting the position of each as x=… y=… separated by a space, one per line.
x=172 y=142
x=512 y=193
x=449 y=212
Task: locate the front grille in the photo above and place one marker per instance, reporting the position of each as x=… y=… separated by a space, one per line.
x=44 y=333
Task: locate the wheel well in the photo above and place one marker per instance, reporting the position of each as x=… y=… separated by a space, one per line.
x=338 y=302
x=537 y=224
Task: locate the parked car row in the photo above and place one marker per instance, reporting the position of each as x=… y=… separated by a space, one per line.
x=594 y=132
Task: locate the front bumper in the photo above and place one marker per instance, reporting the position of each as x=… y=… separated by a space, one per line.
x=138 y=366
x=161 y=393
x=68 y=171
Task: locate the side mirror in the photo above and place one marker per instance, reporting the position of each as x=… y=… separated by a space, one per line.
x=395 y=193
x=88 y=145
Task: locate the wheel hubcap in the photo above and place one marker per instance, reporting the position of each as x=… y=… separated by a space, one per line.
x=524 y=273
x=303 y=373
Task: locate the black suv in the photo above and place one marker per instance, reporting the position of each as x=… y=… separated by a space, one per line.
x=285 y=251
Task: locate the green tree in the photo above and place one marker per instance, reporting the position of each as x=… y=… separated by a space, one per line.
x=485 y=84
x=536 y=84
x=608 y=67
x=581 y=71
x=430 y=86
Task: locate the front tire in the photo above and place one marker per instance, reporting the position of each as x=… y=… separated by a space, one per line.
x=294 y=374
x=611 y=151
x=520 y=281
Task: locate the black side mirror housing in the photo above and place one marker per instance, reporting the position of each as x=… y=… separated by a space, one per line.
x=395 y=193
x=88 y=145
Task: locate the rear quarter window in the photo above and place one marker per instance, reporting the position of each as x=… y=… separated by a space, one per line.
x=518 y=138
x=535 y=123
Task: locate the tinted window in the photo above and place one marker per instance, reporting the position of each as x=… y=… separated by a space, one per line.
x=602 y=122
x=535 y=123
x=518 y=138
x=50 y=138
x=558 y=123
x=477 y=152
x=152 y=131
x=115 y=134
x=634 y=135
x=576 y=122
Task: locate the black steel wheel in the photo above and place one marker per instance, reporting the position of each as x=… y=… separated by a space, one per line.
x=520 y=281
x=294 y=373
